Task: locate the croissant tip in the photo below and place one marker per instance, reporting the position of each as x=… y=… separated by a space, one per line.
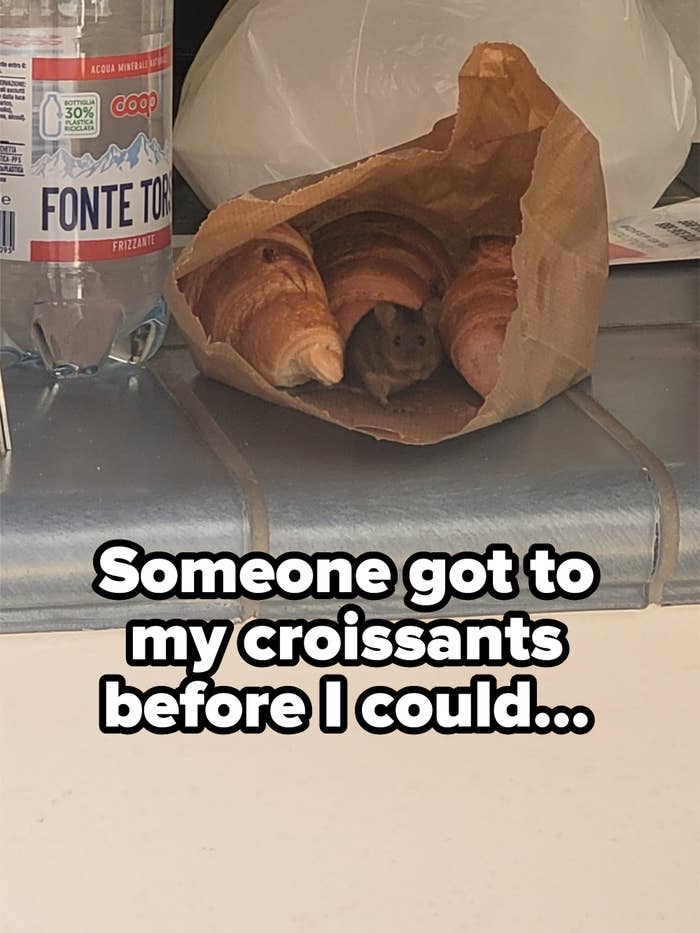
x=325 y=364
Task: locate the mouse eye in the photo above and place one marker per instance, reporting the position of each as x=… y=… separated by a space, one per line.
x=421 y=341
x=397 y=341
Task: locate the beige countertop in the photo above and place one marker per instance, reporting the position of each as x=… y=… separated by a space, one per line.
x=594 y=834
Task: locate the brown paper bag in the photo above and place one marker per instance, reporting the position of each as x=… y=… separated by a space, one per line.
x=514 y=161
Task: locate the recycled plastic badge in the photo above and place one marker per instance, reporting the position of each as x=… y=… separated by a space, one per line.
x=70 y=116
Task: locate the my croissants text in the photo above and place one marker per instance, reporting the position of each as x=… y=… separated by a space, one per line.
x=351 y=639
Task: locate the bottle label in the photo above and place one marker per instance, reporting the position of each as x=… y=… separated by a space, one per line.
x=83 y=176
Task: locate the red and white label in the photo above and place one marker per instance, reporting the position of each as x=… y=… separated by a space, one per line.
x=107 y=68
x=95 y=200
x=100 y=250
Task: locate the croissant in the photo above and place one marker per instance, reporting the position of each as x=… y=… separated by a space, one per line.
x=267 y=300
x=372 y=257
x=476 y=311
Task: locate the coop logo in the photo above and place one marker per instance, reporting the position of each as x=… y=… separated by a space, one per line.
x=135 y=105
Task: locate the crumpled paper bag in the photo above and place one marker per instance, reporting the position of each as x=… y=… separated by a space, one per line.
x=513 y=161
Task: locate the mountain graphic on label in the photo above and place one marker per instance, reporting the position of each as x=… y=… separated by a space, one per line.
x=143 y=153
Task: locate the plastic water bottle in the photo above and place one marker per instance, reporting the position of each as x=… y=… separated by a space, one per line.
x=85 y=180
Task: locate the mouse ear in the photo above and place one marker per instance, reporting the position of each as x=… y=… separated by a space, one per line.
x=432 y=311
x=385 y=314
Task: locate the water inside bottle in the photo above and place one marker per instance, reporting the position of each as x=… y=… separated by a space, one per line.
x=85 y=222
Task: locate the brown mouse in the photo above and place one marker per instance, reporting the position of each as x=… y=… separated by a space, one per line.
x=393 y=348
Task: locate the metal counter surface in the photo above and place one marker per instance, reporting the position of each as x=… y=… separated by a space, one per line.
x=649 y=379
x=550 y=476
x=178 y=463
x=95 y=460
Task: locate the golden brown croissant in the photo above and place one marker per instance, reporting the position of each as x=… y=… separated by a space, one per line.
x=476 y=311
x=267 y=300
x=372 y=257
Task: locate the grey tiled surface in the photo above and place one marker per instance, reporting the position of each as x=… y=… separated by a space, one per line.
x=649 y=379
x=660 y=293
x=94 y=460
x=112 y=457
x=552 y=476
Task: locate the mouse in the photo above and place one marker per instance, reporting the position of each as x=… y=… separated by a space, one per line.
x=393 y=348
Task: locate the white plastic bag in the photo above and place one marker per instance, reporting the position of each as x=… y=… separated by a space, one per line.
x=286 y=88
